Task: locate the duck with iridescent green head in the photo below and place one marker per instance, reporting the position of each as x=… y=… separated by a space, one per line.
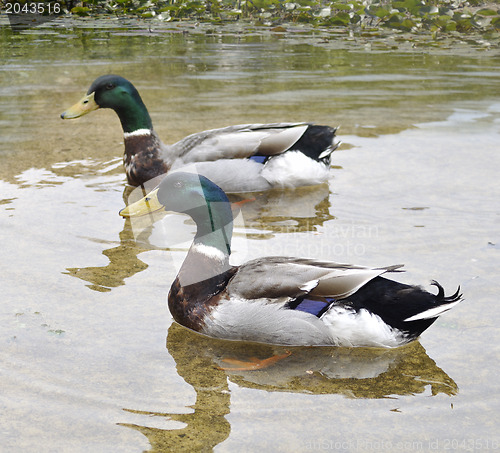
x=281 y=300
x=242 y=158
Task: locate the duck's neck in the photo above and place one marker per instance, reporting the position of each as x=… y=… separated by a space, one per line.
x=209 y=253
x=133 y=115
x=214 y=222
x=143 y=157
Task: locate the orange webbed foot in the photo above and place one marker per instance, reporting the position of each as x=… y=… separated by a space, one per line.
x=253 y=363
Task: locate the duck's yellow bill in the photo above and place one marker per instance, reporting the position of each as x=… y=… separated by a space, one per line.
x=85 y=105
x=144 y=206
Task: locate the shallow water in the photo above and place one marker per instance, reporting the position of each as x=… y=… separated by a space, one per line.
x=90 y=358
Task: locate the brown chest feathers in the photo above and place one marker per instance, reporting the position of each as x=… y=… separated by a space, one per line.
x=142 y=159
x=190 y=304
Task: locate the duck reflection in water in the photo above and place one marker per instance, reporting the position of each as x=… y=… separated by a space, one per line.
x=352 y=372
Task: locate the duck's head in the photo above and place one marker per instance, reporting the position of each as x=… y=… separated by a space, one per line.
x=113 y=92
x=187 y=193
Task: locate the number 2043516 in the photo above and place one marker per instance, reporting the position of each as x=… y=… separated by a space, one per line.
x=32 y=8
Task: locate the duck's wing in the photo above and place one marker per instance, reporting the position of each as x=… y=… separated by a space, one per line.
x=280 y=279
x=242 y=141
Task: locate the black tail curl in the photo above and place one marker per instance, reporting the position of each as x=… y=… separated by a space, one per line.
x=441 y=298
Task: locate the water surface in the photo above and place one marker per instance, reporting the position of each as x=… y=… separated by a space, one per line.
x=91 y=360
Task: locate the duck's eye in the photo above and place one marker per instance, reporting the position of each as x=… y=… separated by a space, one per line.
x=110 y=86
x=147 y=199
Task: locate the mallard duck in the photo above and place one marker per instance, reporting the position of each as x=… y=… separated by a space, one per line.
x=281 y=300
x=243 y=158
